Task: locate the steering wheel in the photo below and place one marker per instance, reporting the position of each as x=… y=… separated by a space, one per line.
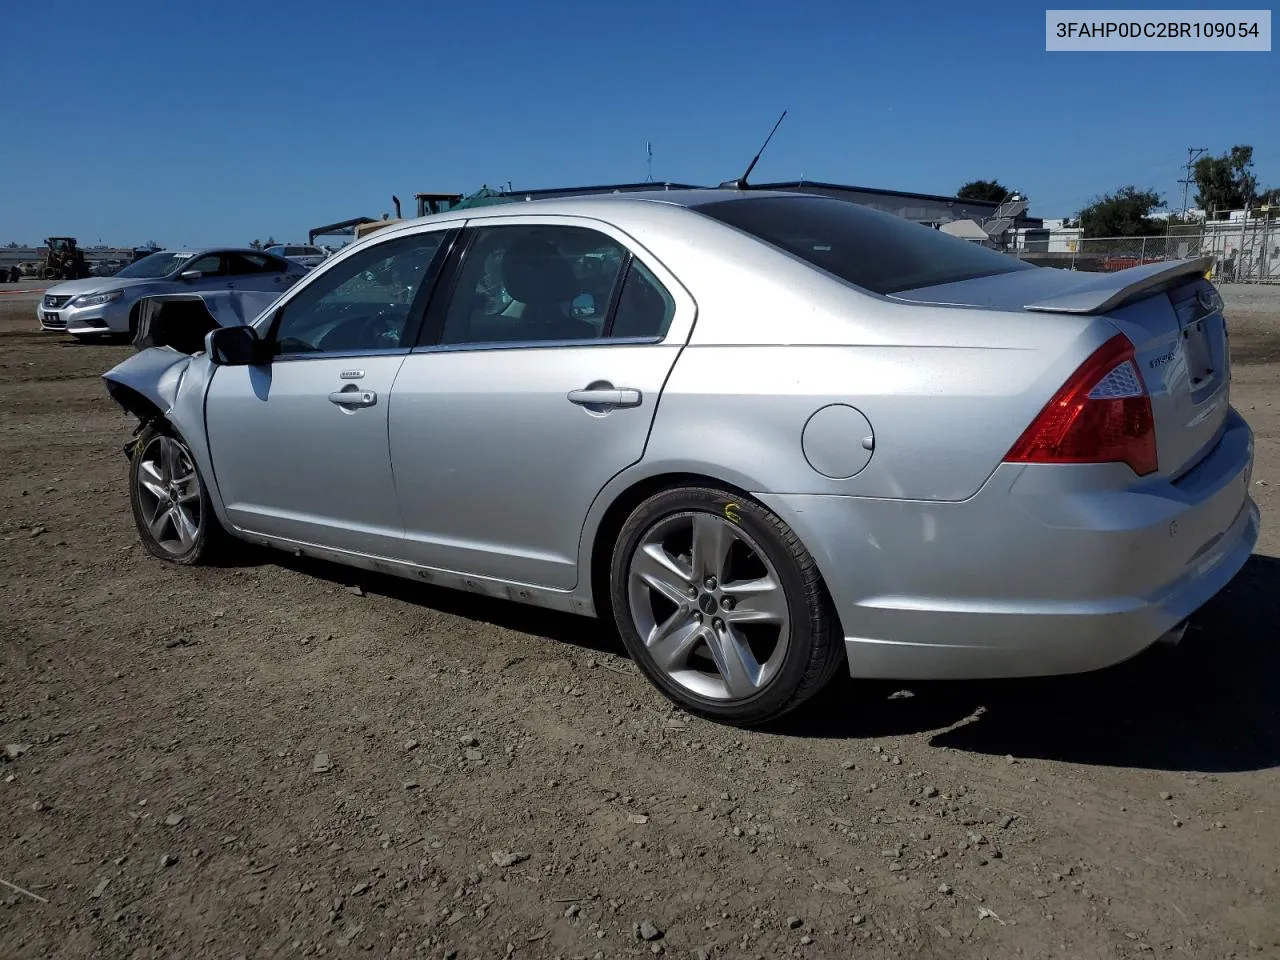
x=379 y=330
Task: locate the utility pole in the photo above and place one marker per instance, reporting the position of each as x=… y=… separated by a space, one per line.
x=1193 y=154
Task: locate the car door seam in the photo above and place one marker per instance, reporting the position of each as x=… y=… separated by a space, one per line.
x=653 y=420
x=391 y=459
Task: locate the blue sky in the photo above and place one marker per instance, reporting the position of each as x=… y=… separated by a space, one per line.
x=193 y=123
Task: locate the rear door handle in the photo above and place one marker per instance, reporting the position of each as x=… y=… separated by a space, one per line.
x=605 y=397
x=353 y=398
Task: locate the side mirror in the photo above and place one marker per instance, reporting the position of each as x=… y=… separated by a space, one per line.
x=235 y=347
x=190 y=275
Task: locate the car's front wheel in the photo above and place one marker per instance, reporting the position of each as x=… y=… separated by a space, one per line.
x=721 y=606
x=170 y=504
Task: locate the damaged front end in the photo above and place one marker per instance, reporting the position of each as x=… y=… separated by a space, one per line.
x=147 y=386
x=165 y=382
x=183 y=320
x=170 y=365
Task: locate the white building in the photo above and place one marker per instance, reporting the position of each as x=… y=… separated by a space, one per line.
x=1053 y=237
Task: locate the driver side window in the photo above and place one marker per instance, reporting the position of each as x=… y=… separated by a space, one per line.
x=362 y=303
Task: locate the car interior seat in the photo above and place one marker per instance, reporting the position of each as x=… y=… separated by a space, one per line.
x=535 y=273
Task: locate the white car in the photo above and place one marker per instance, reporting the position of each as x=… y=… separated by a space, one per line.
x=109 y=306
x=306 y=255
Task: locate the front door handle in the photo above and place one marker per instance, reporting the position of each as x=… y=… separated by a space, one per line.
x=607 y=397
x=353 y=398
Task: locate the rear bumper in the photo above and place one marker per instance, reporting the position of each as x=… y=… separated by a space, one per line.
x=1028 y=578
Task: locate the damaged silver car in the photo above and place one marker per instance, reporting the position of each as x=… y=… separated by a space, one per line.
x=769 y=435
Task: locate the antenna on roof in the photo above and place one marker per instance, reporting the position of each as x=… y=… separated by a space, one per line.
x=741 y=182
x=649 y=150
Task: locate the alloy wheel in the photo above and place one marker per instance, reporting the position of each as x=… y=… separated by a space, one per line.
x=169 y=495
x=709 y=606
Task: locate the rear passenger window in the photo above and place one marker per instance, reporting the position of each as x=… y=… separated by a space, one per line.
x=244 y=263
x=645 y=308
x=530 y=284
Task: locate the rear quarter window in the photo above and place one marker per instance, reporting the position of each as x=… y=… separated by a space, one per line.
x=876 y=251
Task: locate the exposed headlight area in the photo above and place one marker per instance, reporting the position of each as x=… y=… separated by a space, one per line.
x=96 y=299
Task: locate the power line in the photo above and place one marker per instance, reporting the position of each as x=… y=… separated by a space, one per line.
x=1193 y=154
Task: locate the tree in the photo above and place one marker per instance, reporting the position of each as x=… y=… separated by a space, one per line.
x=992 y=191
x=1125 y=213
x=12 y=244
x=1226 y=182
x=255 y=244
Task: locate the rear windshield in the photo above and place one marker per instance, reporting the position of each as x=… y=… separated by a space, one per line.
x=870 y=249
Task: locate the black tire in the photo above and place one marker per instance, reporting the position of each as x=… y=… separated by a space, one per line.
x=209 y=538
x=815 y=648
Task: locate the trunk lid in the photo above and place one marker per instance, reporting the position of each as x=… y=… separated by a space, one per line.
x=1170 y=312
x=1180 y=338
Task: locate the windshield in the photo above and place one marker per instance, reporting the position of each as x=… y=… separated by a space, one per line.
x=876 y=251
x=153 y=266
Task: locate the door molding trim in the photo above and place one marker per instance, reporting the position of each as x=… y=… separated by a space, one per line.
x=566 y=601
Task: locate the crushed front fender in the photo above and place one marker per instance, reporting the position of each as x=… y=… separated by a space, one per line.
x=161 y=383
x=147 y=384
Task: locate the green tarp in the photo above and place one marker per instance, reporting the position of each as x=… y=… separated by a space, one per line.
x=484 y=197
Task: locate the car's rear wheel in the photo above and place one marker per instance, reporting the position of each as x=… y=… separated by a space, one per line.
x=721 y=606
x=170 y=504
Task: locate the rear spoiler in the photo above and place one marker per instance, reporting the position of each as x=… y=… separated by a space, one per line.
x=1107 y=291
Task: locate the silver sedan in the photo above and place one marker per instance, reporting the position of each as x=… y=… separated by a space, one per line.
x=767 y=435
x=108 y=306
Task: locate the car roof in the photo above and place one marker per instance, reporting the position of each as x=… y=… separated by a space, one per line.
x=600 y=204
x=204 y=251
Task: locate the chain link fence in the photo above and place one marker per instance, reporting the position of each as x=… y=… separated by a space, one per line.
x=1244 y=251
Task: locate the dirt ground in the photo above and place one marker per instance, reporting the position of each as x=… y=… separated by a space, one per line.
x=283 y=758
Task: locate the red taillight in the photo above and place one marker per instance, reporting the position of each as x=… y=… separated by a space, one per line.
x=1101 y=415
